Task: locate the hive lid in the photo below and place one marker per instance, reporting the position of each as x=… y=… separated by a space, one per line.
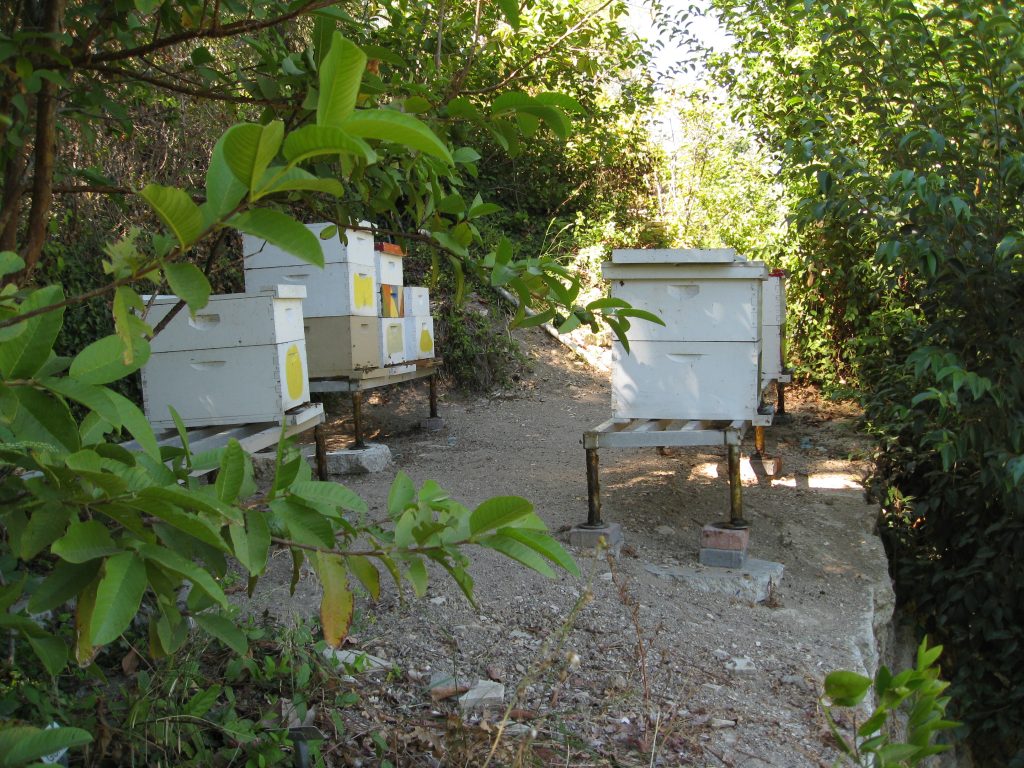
x=675 y=256
x=275 y=291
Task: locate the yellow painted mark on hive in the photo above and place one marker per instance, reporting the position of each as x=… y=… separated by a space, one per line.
x=293 y=374
x=426 y=343
x=362 y=289
x=395 y=341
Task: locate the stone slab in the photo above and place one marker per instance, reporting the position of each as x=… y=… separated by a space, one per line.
x=486 y=694
x=722 y=558
x=753 y=582
x=582 y=537
x=714 y=537
x=432 y=424
x=375 y=457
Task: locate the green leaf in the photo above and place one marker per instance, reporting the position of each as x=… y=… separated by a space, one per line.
x=894 y=754
x=544 y=545
x=340 y=74
x=846 y=689
x=305 y=525
x=317 y=140
x=23 y=744
x=249 y=148
x=64 y=582
x=118 y=596
x=51 y=651
x=498 y=512
x=232 y=472
x=189 y=283
x=136 y=423
x=510 y=9
x=417 y=574
x=517 y=551
x=328 y=493
x=398 y=128
x=323 y=33
x=177 y=211
x=184 y=567
x=280 y=179
x=10 y=262
x=185 y=521
x=223 y=190
x=40 y=418
x=927 y=656
x=337 y=604
x=283 y=231
x=366 y=572
x=201 y=703
x=401 y=496
x=25 y=353
x=251 y=544
x=224 y=630
x=103 y=361
x=45 y=525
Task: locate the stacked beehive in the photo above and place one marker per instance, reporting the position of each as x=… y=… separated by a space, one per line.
x=773 y=330
x=356 y=322
x=240 y=360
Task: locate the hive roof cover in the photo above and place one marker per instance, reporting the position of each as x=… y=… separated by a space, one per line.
x=675 y=256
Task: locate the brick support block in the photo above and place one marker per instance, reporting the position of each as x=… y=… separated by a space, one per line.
x=714 y=537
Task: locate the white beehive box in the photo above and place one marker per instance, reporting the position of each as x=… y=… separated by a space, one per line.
x=417 y=301
x=240 y=360
x=773 y=323
x=419 y=337
x=347 y=285
x=705 y=362
x=389 y=268
x=392 y=340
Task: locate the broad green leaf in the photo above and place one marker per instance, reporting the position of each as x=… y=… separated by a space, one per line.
x=136 y=423
x=462 y=107
x=398 y=128
x=280 y=179
x=51 y=651
x=563 y=101
x=224 y=630
x=337 y=604
x=188 y=282
x=544 y=545
x=334 y=494
x=64 y=582
x=185 y=521
x=25 y=353
x=40 y=418
x=517 y=551
x=304 y=525
x=251 y=544
x=10 y=262
x=846 y=689
x=927 y=656
x=417 y=104
x=193 y=499
x=102 y=361
x=497 y=513
x=453 y=204
x=323 y=33
x=177 y=211
x=223 y=189
x=510 y=9
x=366 y=572
x=86 y=601
x=202 y=702
x=172 y=561
x=401 y=496
x=232 y=472
x=417 y=574
x=318 y=140
x=118 y=596
x=46 y=524
x=283 y=231
x=464 y=155
x=449 y=242
x=24 y=744
x=249 y=148
x=341 y=71
x=511 y=101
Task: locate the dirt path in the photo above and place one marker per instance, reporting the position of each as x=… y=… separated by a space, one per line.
x=620 y=667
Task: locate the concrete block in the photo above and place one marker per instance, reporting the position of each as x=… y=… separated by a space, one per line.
x=375 y=457
x=715 y=537
x=432 y=424
x=722 y=558
x=753 y=583
x=582 y=537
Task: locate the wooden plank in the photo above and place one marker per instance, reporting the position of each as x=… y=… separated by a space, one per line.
x=640 y=433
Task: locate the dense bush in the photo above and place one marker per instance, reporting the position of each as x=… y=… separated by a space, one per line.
x=898 y=126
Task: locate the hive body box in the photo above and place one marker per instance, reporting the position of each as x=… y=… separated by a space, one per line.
x=240 y=360
x=347 y=285
x=705 y=362
x=773 y=324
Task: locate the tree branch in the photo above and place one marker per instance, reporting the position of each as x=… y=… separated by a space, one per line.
x=201 y=93
x=214 y=32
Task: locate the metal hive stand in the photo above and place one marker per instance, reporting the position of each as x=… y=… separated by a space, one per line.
x=669 y=433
